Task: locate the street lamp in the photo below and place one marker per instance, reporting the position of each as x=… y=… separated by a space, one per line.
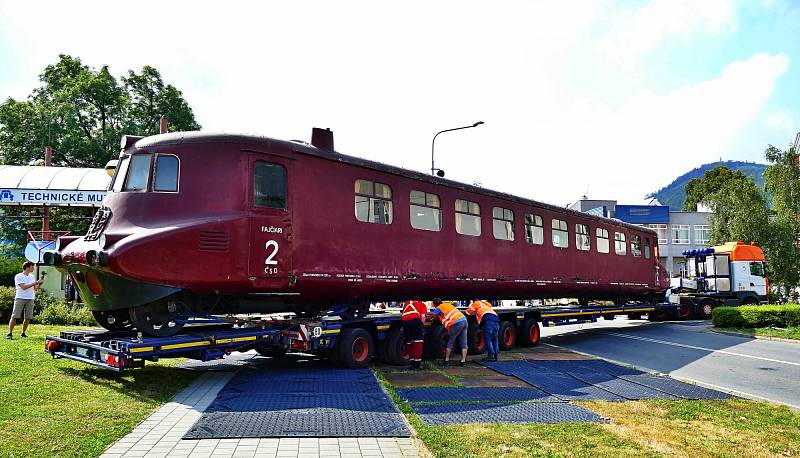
x=440 y=172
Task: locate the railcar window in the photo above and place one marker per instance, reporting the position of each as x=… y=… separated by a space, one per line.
x=138 y=172
x=560 y=234
x=373 y=202
x=468 y=218
x=620 y=246
x=425 y=211
x=503 y=223
x=602 y=240
x=269 y=182
x=636 y=246
x=582 y=237
x=647 y=248
x=119 y=176
x=534 y=232
x=165 y=174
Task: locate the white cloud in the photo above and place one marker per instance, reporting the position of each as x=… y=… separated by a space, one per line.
x=780 y=121
x=642 y=30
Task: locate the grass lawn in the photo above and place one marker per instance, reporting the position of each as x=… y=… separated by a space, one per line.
x=636 y=429
x=789 y=333
x=65 y=408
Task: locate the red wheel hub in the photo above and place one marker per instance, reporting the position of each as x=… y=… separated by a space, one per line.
x=508 y=336
x=534 y=333
x=360 y=349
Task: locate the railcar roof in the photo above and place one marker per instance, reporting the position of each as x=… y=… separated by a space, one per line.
x=305 y=148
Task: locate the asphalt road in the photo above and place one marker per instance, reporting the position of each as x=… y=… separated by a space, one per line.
x=756 y=368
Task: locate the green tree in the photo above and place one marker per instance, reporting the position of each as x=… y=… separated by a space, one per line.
x=739 y=212
x=699 y=190
x=82 y=113
x=782 y=180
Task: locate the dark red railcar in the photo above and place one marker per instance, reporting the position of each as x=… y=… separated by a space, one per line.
x=198 y=223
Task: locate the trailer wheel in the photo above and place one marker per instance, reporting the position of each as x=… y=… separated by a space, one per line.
x=113 y=320
x=354 y=348
x=634 y=316
x=158 y=319
x=609 y=316
x=704 y=309
x=529 y=333
x=476 y=341
x=394 y=349
x=435 y=342
x=508 y=335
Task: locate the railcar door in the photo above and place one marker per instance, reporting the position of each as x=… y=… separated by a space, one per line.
x=270 y=220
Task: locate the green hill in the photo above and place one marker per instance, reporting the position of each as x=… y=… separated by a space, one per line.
x=674 y=195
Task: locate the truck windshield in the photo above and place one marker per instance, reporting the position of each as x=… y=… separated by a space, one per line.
x=691 y=268
x=119 y=176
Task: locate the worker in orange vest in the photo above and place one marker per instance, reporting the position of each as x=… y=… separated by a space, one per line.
x=414 y=313
x=456 y=324
x=490 y=324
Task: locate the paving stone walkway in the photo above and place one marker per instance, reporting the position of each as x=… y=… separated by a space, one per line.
x=160 y=434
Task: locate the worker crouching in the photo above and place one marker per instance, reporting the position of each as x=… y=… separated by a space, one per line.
x=414 y=313
x=490 y=325
x=456 y=324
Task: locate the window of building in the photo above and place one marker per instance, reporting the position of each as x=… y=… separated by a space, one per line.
x=602 y=240
x=425 y=211
x=138 y=172
x=373 y=202
x=503 y=223
x=534 y=232
x=165 y=174
x=680 y=234
x=701 y=234
x=647 y=248
x=468 y=218
x=582 y=237
x=270 y=185
x=661 y=230
x=620 y=246
x=560 y=233
x=636 y=246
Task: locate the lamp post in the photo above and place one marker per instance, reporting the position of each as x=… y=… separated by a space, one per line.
x=433 y=144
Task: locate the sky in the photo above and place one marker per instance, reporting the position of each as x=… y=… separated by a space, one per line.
x=612 y=100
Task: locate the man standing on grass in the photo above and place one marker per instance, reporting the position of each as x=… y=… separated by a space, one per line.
x=23 y=299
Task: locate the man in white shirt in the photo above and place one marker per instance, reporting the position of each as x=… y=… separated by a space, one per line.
x=23 y=299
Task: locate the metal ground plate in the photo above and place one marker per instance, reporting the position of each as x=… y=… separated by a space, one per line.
x=263 y=402
x=299 y=423
x=528 y=412
x=459 y=394
x=676 y=387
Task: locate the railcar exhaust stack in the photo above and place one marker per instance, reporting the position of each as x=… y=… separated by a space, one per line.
x=322 y=138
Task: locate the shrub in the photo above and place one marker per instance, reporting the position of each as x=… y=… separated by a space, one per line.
x=61 y=313
x=757 y=316
x=6 y=302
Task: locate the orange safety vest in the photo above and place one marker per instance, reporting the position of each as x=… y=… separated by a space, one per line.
x=450 y=314
x=479 y=308
x=413 y=310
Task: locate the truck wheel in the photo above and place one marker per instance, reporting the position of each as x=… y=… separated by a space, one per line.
x=750 y=301
x=609 y=316
x=634 y=316
x=394 y=349
x=685 y=309
x=476 y=341
x=529 y=334
x=435 y=342
x=270 y=351
x=354 y=348
x=508 y=335
x=704 y=309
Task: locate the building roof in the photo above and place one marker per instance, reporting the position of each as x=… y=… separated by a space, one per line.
x=53 y=178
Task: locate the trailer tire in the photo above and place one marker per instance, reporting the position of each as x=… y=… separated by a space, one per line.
x=609 y=316
x=634 y=316
x=704 y=308
x=435 y=342
x=508 y=335
x=394 y=349
x=354 y=348
x=113 y=320
x=476 y=341
x=529 y=333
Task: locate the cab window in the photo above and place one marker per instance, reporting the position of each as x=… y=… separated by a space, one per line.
x=269 y=182
x=138 y=172
x=165 y=173
x=757 y=269
x=373 y=202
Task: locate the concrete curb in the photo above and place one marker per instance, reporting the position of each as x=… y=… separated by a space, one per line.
x=741 y=334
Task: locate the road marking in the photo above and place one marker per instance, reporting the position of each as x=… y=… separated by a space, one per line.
x=711 y=350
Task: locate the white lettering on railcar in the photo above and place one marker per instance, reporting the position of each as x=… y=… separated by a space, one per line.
x=272 y=229
x=271 y=244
